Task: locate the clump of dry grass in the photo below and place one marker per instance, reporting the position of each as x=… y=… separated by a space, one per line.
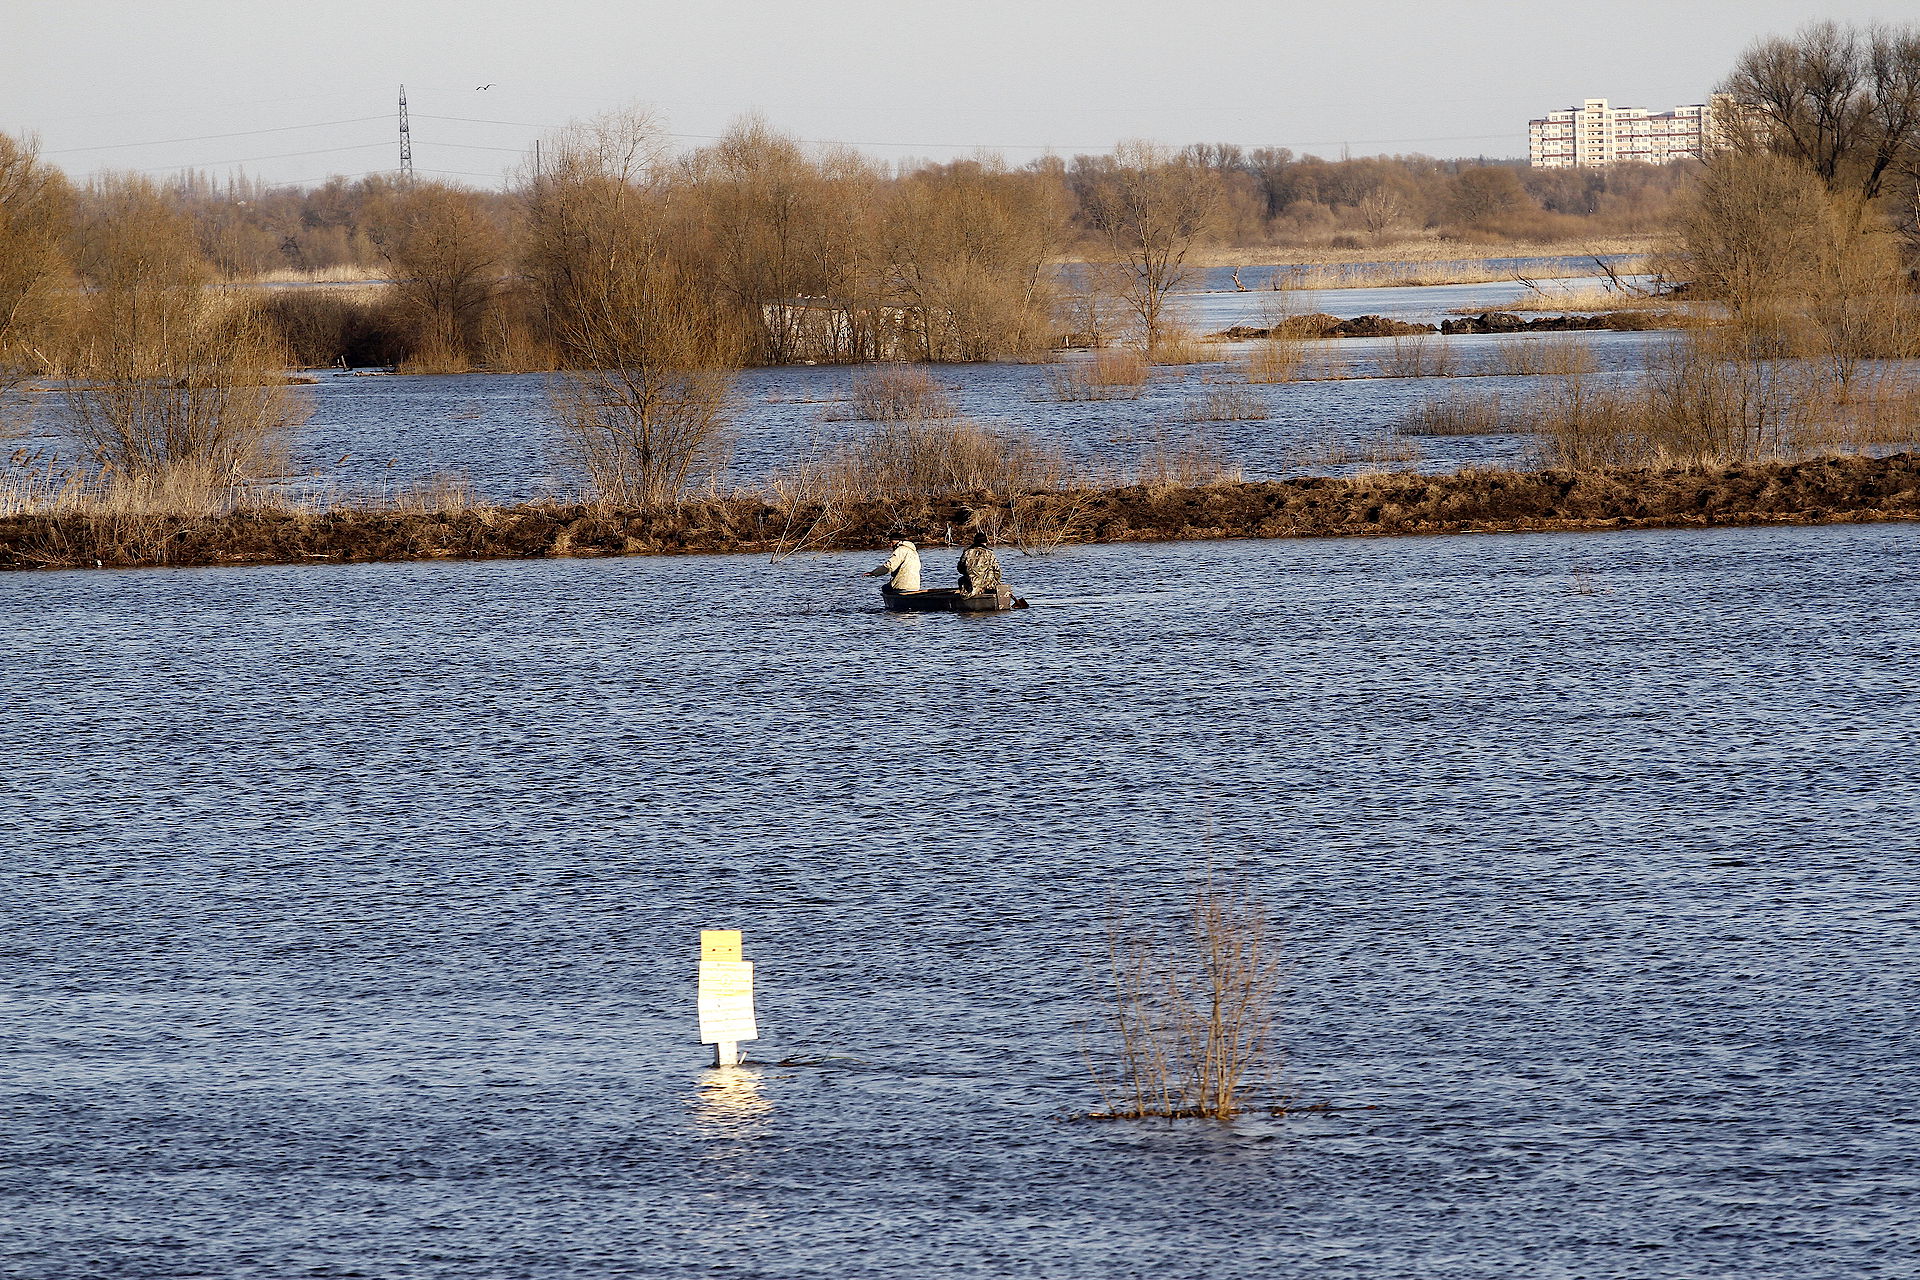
x=1226 y=404
x=1116 y=374
x=1191 y=460
x=918 y=459
x=1557 y=355
x=1273 y=360
x=1328 y=449
x=1589 y=298
x=1178 y=346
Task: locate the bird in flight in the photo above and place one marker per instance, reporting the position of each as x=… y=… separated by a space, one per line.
x=477 y=88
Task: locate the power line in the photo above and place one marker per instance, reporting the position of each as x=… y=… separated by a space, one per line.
x=986 y=146
x=284 y=155
x=208 y=137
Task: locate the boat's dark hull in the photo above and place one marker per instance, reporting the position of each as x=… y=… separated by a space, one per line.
x=950 y=600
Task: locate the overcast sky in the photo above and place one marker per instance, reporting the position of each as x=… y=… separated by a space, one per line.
x=307 y=90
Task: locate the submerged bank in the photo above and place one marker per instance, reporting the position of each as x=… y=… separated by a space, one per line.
x=1824 y=490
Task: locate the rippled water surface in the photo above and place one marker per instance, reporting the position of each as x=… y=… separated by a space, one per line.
x=349 y=913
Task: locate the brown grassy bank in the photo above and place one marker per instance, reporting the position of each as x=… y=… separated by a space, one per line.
x=1824 y=490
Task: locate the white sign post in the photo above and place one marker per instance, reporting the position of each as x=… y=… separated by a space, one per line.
x=726 y=995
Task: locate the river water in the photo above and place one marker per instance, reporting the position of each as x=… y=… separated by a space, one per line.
x=349 y=913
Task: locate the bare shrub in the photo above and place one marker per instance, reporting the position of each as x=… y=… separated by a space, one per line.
x=926 y=458
x=899 y=393
x=1417 y=355
x=1194 y=1024
x=1697 y=402
x=1226 y=404
x=1179 y=346
x=1041 y=522
x=1456 y=414
x=353 y=327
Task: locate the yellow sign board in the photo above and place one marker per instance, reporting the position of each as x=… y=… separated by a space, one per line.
x=719 y=944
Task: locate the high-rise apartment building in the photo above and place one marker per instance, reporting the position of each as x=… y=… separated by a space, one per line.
x=1598 y=133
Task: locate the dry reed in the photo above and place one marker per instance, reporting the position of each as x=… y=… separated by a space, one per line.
x=1273 y=360
x=1456 y=414
x=1417 y=355
x=1117 y=374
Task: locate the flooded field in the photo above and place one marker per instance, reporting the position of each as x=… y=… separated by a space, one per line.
x=348 y=913
x=378 y=433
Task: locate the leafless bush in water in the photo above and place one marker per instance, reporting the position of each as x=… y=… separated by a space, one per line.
x=1417 y=355
x=1194 y=1025
x=1457 y=414
x=899 y=393
x=1532 y=357
x=1179 y=346
x=178 y=391
x=1706 y=403
x=926 y=458
x=1226 y=404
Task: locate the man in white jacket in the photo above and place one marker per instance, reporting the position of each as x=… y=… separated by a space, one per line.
x=904 y=566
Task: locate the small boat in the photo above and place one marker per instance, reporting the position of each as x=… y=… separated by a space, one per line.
x=950 y=600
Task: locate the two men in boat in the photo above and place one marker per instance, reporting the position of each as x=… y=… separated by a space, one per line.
x=979 y=570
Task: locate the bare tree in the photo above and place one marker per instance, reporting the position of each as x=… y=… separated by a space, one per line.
x=33 y=214
x=177 y=389
x=1151 y=209
x=969 y=248
x=781 y=226
x=447 y=255
x=1844 y=101
x=644 y=393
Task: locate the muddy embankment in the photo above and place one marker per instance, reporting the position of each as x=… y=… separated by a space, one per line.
x=1810 y=491
x=1320 y=325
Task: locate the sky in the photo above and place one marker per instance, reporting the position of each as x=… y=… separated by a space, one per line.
x=294 y=93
